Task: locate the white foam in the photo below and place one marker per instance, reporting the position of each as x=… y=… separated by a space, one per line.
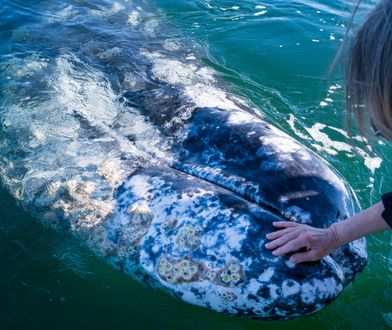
x=134 y=18
x=333 y=147
x=198 y=82
x=262 y=12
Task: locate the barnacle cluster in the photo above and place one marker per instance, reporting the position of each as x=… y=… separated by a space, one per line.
x=169 y=224
x=74 y=199
x=177 y=271
x=230 y=296
x=129 y=236
x=139 y=215
x=189 y=236
x=232 y=274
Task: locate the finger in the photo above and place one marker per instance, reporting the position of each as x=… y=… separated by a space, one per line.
x=291 y=246
x=303 y=257
x=282 y=240
x=284 y=224
x=278 y=233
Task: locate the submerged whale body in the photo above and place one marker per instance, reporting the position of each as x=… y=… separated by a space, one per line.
x=138 y=152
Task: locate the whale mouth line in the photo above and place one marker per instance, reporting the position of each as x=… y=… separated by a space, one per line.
x=241 y=194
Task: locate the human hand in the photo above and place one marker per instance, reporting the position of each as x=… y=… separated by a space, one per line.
x=293 y=236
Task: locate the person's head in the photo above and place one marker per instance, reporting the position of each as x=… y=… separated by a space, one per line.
x=368 y=73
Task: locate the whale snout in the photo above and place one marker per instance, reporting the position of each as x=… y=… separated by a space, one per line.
x=198 y=226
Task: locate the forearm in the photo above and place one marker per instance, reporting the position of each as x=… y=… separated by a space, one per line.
x=364 y=223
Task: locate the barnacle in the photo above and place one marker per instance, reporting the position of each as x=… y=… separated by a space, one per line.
x=235 y=277
x=177 y=270
x=234 y=268
x=161 y=269
x=231 y=274
x=211 y=275
x=228 y=295
x=189 y=236
x=185 y=263
x=170 y=278
x=169 y=224
x=168 y=267
x=193 y=269
x=225 y=277
x=186 y=275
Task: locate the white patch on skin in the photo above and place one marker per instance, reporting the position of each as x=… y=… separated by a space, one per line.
x=290 y=287
x=359 y=247
x=290 y=264
x=308 y=293
x=274 y=291
x=266 y=275
x=253 y=286
x=335 y=266
x=281 y=145
x=299 y=214
x=209 y=96
x=238 y=117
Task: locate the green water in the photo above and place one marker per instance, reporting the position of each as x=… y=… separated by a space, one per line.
x=278 y=61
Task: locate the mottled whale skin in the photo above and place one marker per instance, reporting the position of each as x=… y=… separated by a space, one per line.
x=197 y=228
x=129 y=143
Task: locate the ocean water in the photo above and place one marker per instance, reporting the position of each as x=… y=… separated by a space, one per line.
x=59 y=54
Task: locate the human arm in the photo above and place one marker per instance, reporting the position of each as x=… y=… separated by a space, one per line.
x=320 y=242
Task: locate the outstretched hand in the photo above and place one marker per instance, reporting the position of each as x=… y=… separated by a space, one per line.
x=293 y=236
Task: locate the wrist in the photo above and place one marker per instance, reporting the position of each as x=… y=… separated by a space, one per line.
x=336 y=234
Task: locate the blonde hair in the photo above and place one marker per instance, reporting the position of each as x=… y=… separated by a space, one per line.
x=368 y=73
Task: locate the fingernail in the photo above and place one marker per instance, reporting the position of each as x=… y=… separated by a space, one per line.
x=268 y=235
x=274 y=253
x=267 y=245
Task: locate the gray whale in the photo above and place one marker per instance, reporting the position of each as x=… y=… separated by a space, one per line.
x=121 y=137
